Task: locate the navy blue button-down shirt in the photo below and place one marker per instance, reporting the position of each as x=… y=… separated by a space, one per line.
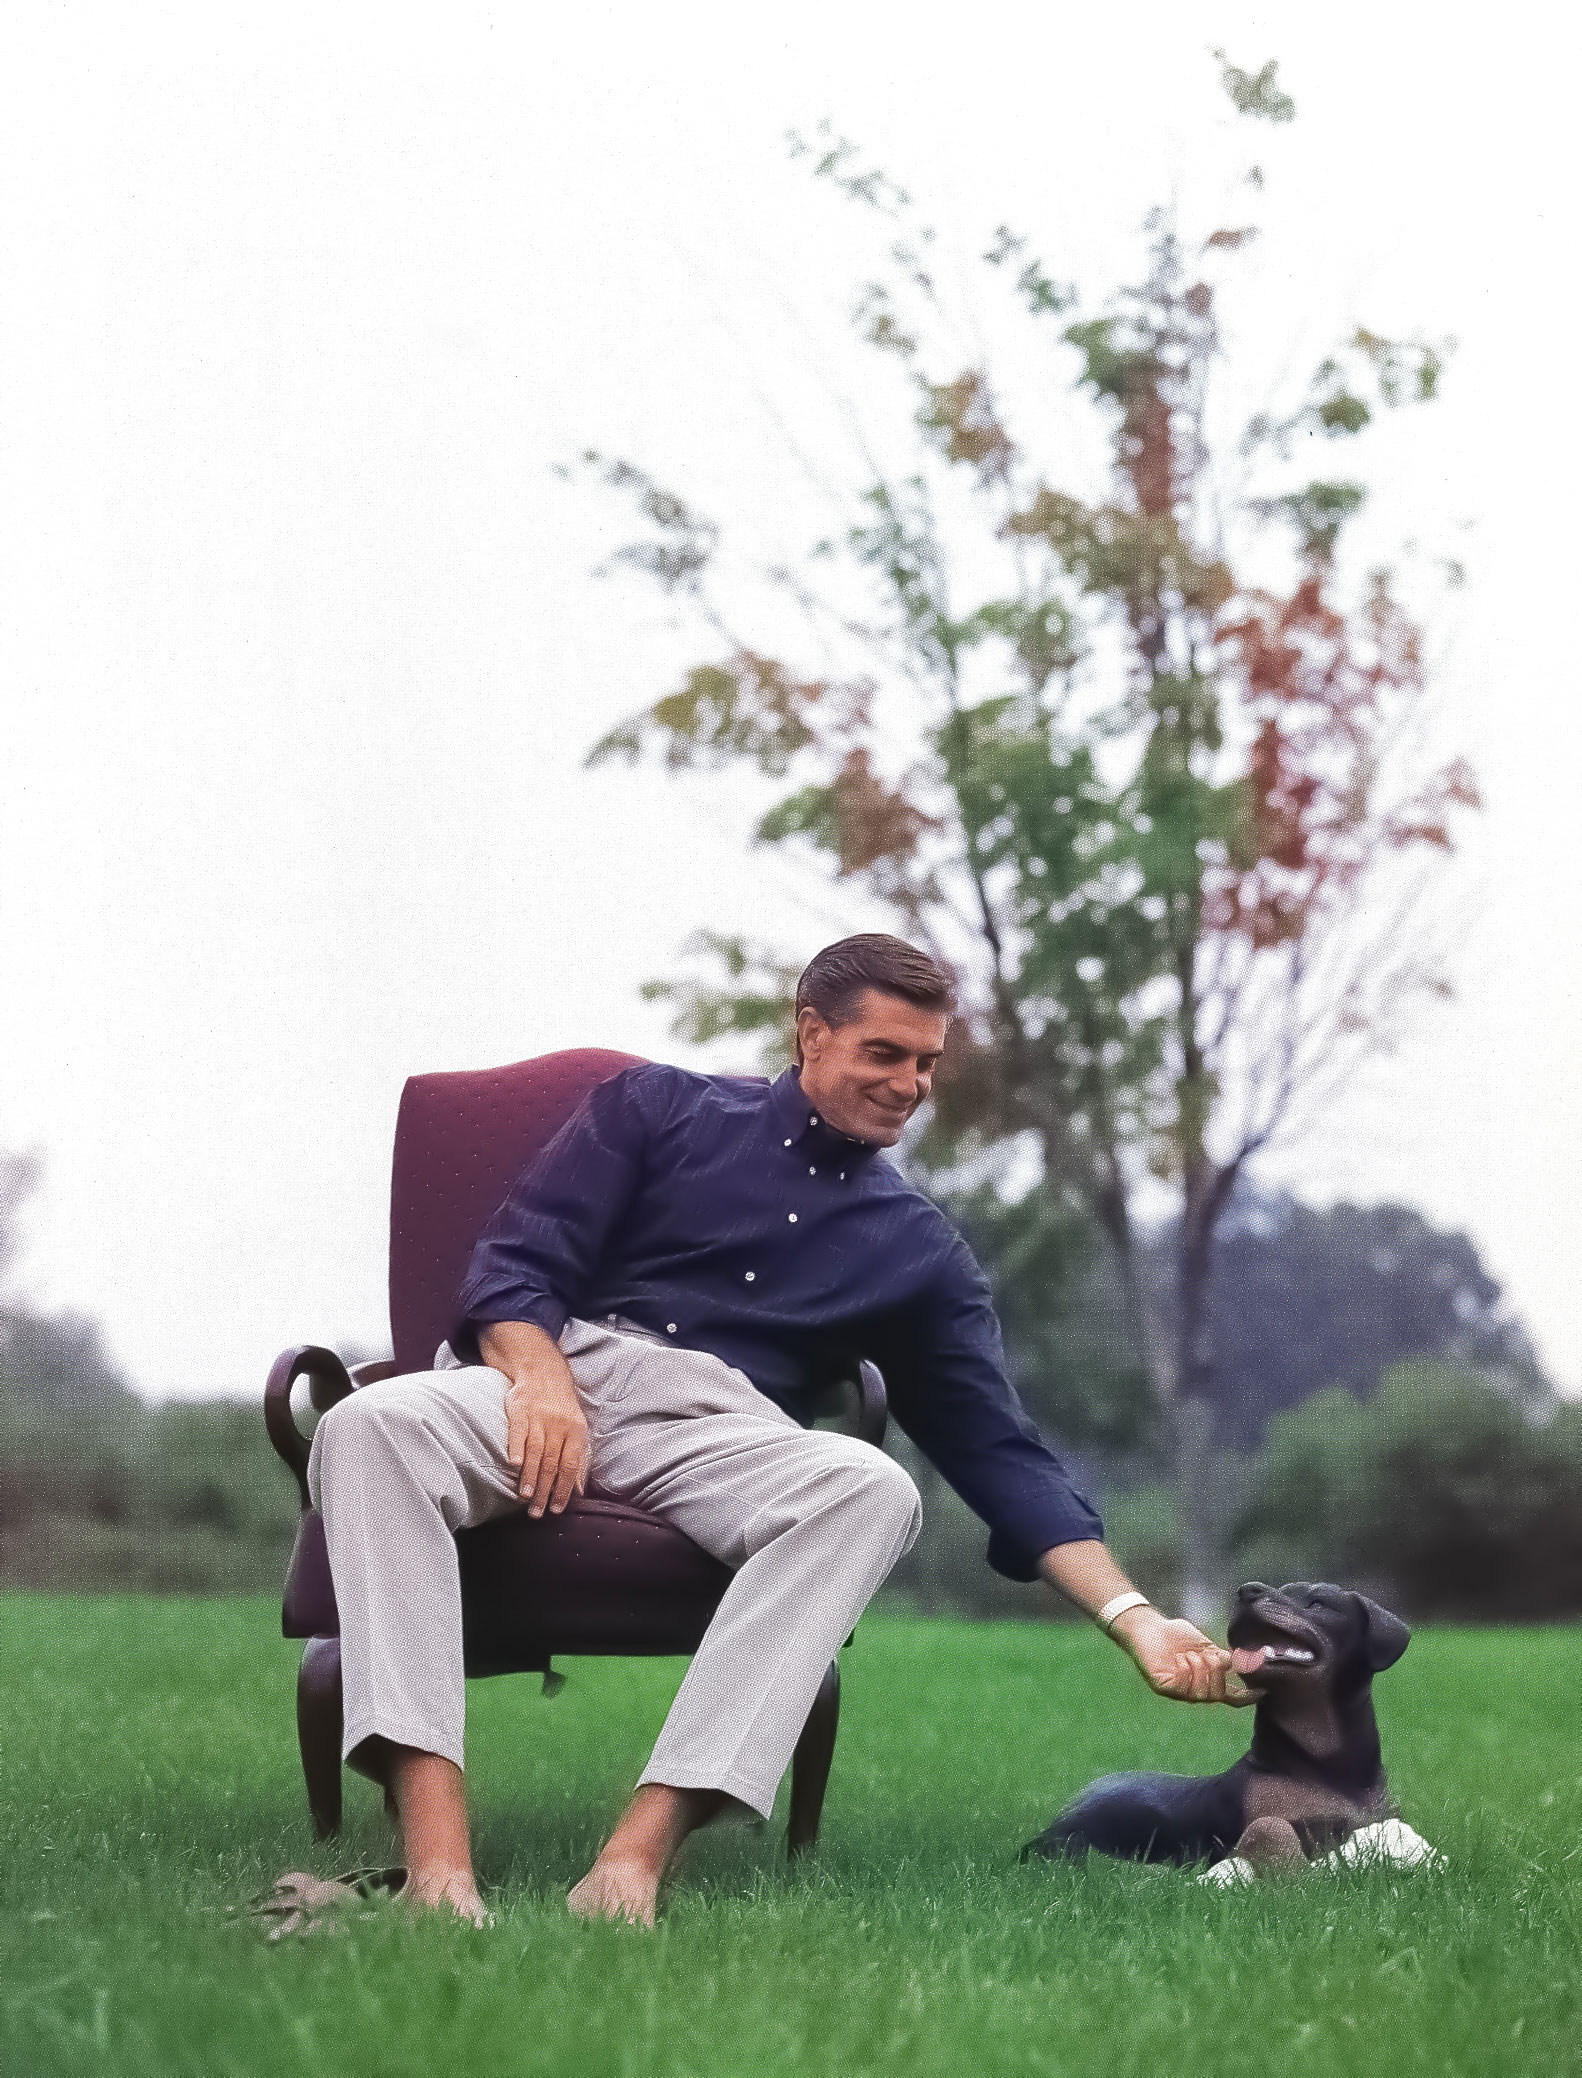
x=725 y=1213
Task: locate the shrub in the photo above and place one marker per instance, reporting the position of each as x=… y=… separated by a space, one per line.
x=1438 y=1491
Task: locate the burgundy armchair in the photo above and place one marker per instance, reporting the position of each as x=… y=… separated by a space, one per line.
x=604 y=1577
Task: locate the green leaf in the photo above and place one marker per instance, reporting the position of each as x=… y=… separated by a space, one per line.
x=1256 y=94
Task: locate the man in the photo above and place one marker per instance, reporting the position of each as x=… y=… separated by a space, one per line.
x=647 y=1308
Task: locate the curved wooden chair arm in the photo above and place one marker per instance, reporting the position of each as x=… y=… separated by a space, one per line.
x=860 y=1394
x=873 y=1405
x=328 y=1382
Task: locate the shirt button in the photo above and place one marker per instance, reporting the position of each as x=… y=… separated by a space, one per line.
x=843 y=1176
x=670 y=1327
x=792 y=1217
x=788 y=1143
x=812 y=1172
x=751 y=1274
x=812 y=1121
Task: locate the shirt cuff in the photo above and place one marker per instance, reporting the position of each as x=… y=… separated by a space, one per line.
x=1015 y=1554
x=541 y=1312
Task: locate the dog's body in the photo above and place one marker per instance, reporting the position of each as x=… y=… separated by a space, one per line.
x=1314 y=1774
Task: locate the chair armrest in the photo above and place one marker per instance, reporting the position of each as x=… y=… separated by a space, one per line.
x=371 y=1373
x=873 y=1405
x=835 y=1397
x=328 y=1382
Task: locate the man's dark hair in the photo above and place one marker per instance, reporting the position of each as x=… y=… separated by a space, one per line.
x=833 y=981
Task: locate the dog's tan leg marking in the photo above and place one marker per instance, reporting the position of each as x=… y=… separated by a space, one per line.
x=1271 y=1844
x=1302 y=1803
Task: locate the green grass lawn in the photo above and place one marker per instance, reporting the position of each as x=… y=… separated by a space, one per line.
x=150 y=1781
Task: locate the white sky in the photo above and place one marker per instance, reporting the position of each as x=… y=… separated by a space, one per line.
x=301 y=651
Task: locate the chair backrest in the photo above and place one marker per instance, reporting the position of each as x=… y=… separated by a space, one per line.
x=461 y=1141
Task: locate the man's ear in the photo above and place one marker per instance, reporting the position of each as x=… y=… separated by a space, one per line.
x=1384 y=1635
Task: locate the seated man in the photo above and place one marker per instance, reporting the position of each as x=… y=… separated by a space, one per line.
x=646 y=1308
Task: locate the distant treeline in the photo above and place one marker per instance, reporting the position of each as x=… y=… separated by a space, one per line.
x=1382 y=1421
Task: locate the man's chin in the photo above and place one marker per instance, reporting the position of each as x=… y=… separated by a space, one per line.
x=886 y=1131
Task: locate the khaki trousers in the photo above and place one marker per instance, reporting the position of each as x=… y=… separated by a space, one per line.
x=810 y=1521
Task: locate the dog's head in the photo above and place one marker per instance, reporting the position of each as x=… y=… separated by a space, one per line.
x=1311 y=1635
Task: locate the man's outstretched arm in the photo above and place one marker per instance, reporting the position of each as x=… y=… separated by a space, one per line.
x=547 y=1431
x=1173 y=1655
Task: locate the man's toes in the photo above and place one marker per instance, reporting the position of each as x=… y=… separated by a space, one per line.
x=449 y=1894
x=615 y=1893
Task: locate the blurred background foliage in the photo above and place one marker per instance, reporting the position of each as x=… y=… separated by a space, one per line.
x=1383 y=1421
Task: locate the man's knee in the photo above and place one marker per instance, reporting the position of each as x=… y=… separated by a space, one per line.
x=882 y=1494
x=376 y=1425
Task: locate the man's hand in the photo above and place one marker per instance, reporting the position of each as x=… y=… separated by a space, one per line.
x=1174 y=1656
x=546 y=1429
x=1177 y=1660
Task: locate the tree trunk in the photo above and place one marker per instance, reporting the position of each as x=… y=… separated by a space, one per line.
x=1204 y=1588
x=1205 y=1584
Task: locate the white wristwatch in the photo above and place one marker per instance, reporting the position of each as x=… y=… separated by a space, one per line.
x=1119 y=1606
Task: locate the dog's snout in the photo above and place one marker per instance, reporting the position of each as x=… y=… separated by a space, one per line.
x=1252 y=1591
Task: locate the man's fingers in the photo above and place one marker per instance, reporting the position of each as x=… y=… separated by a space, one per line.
x=546 y=1441
x=548 y=1468
x=562 y=1465
x=532 y=1457
x=1191 y=1679
x=515 y=1429
x=572 y=1472
x=1190 y=1668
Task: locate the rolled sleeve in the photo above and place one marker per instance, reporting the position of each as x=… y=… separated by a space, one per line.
x=945 y=1374
x=535 y=1259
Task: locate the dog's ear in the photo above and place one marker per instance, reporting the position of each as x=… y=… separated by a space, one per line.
x=1384 y=1635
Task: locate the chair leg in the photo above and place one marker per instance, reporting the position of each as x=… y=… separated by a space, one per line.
x=319 y=1731
x=811 y=1762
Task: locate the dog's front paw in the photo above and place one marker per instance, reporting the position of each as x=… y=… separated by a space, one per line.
x=1392 y=1843
x=1234 y=1869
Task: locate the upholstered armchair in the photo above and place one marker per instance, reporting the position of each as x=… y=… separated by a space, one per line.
x=604 y=1577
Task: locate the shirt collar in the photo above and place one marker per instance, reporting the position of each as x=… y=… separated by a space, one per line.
x=797 y=1119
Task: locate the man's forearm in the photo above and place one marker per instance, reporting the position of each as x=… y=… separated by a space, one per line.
x=1084 y=1573
x=1175 y=1658
x=521 y=1350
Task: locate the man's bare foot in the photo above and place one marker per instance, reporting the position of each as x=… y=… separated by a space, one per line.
x=446 y=1890
x=431 y=1804
x=617 y=1888
x=624 y=1882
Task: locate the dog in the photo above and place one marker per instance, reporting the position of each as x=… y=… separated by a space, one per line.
x=1314 y=1775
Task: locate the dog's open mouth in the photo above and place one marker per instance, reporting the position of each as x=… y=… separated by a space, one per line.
x=1258 y=1643
x=1248 y=1659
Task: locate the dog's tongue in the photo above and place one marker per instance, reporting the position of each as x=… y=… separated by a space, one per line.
x=1247 y=1660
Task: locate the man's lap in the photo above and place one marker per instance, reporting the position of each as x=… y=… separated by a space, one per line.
x=673 y=1429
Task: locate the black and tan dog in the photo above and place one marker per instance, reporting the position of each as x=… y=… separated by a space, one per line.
x=1313 y=1776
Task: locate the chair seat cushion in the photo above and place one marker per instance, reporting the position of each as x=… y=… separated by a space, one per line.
x=604 y=1577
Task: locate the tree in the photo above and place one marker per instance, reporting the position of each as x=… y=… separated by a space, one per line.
x=1437 y=1490
x=1303 y=1299
x=49 y=1365
x=1135 y=761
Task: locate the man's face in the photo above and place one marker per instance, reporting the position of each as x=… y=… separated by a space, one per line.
x=866 y=1078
